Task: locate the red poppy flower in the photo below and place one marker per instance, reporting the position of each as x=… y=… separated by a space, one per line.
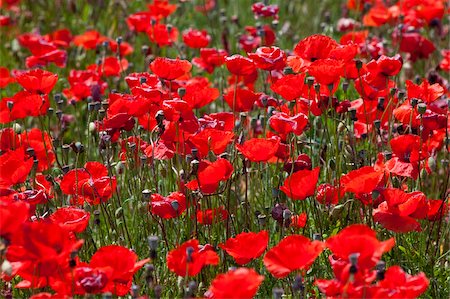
x=362 y=240
x=209 y=175
x=424 y=91
x=298 y=221
x=399 y=209
x=443 y=65
x=242 y=283
x=315 y=47
x=15 y=166
x=12 y=216
x=120 y=264
x=239 y=65
x=263 y=10
x=259 y=150
x=362 y=180
x=268 y=58
x=211 y=216
x=23 y=104
x=210 y=58
x=303 y=161
x=41 y=143
x=91 y=184
x=406 y=156
x=285 y=124
x=161 y=8
x=416 y=45
x=89 y=40
x=162 y=35
x=290 y=87
x=73 y=219
x=5 y=77
x=196 y=38
x=327 y=194
x=170 y=69
x=190 y=257
x=398 y=284
x=326 y=71
x=168 y=207
x=37 y=81
x=42 y=253
x=211 y=140
x=294 y=252
x=199 y=93
x=240 y=100
x=246 y=246
x=301 y=184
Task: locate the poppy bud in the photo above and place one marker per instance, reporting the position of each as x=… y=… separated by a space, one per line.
x=298 y=284
x=353 y=114
x=358 y=64
x=277 y=293
x=157 y=291
x=181 y=92
x=194 y=165
x=17 y=128
x=189 y=252
x=134 y=291
x=159 y=116
x=262 y=219
x=146 y=194
x=345 y=86
x=77 y=147
x=422 y=108
x=7 y=267
x=317 y=237
x=153 y=242
x=288 y=70
x=432 y=163
x=65 y=169
x=97 y=217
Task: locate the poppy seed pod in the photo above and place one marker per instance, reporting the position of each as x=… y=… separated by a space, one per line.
x=181 y=92
x=377 y=124
x=134 y=291
x=381 y=269
x=310 y=81
x=107 y=296
x=189 y=252
x=352 y=112
x=10 y=105
x=157 y=291
x=317 y=88
x=159 y=116
x=153 y=242
x=414 y=102
x=262 y=218
x=97 y=217
x=358 y=64
x=353 y=259
x=401 y=95
x=287 y=214
x=175 y=205
x=345 y=86
x=422 y=108
x=194 y=166
x=288 y=70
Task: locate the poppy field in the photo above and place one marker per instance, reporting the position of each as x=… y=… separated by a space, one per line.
x=224 y=149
